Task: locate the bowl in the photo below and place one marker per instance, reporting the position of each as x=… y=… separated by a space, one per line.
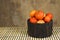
x=40 y=30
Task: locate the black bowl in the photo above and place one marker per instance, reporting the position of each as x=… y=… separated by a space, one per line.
x=39 y=30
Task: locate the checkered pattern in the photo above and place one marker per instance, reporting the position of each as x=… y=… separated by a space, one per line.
x=20 y=33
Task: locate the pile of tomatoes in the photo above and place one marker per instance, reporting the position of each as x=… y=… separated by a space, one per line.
x=38 y=16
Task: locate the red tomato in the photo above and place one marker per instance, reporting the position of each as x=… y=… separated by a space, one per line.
x=32 y=13
x=39 y=15
x=33 y=20
x=50 y=15
x=47 y=19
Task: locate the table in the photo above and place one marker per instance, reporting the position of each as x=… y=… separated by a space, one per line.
x=20 y=33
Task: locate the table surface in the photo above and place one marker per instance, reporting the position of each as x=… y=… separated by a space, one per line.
x=20 y=33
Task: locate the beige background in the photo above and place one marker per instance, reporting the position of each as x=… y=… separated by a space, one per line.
x=16 y=12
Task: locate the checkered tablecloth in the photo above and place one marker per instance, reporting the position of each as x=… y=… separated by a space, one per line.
x=20 y=33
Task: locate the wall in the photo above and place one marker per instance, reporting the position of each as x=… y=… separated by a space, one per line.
x=16 y=12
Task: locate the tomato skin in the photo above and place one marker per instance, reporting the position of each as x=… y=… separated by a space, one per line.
x=33 y=20
x=47 y=19
x=50 y=15
x=32 y=13
x=39 y=15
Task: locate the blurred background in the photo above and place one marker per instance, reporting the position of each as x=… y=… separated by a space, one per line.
x=16 y=12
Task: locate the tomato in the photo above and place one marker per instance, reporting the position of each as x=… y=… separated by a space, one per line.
x=32 y=13
x=41 y=21
x=50 y=15
x=47 y=19
x=39 y=15
x=33 y=20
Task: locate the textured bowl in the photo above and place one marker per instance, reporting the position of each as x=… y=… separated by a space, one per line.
x=39 y=30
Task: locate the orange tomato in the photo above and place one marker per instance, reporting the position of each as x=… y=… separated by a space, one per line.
x=39 y=15
x=33 y=20
x=32 y=13
x=50 y=15
x=41 y=21
x=47 y=19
